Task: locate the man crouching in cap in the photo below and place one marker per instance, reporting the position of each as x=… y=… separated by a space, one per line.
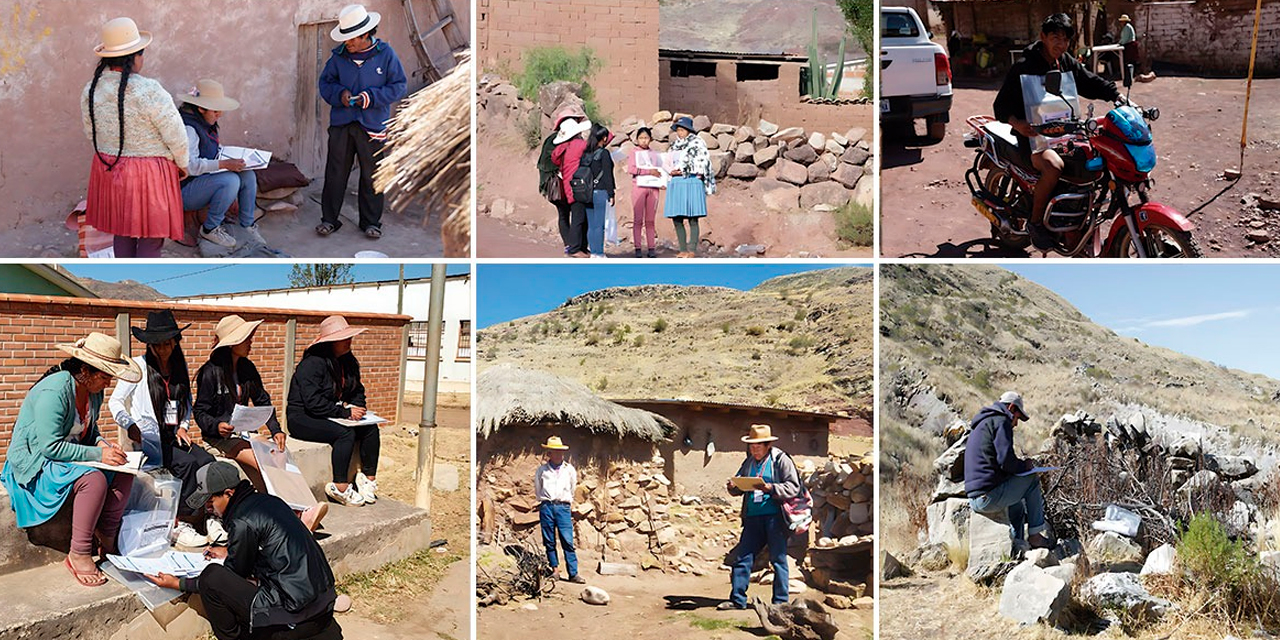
x=293 y=591
x=991 y=471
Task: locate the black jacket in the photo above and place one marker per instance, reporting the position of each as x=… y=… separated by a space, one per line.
x=266 y=541
x=1009 y=102
x=312 y=388
x=215 y=402
x=989 y=458
x=602 y=171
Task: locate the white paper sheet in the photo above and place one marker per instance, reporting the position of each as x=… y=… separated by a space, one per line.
x=282 y=476
x=132 y=465
x=253 y=158
x=175 y=563
x=244 y=418
x=368 y=419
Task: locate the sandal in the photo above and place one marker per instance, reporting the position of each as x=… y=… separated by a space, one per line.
x=95 y=579
x=325 y=228
x=373 y=232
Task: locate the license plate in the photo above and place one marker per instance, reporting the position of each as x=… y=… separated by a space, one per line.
x=884 y=106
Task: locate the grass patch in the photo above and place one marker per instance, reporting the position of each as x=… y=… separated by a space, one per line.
x=854 y=224
x=544 y=65
x=530 y=128
x=660 y=325
x=714 y=624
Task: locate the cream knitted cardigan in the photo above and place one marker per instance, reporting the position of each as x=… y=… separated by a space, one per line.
x=152 y=126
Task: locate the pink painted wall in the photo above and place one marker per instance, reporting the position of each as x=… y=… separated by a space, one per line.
x=251 y=46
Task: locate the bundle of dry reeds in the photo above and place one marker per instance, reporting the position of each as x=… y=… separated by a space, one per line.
x=428 y=156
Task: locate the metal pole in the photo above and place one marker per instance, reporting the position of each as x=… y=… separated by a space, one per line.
x=400 y=293
x=430 y=385
x=290 y=363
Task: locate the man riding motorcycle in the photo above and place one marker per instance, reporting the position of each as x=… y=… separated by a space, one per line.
x=1047 y=54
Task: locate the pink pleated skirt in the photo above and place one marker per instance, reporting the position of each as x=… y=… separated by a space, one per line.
x=138 y=198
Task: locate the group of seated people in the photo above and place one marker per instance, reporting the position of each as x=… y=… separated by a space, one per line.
x=155 y=406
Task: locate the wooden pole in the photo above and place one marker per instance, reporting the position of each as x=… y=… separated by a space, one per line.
x=1248 y=92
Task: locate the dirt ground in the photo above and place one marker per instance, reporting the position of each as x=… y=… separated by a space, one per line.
x=648 y=607
x=404 y=234
x=926 y=210
x=736 y=215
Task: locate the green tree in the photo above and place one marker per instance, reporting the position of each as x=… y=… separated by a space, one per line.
x=861 y=16
x=320 y=275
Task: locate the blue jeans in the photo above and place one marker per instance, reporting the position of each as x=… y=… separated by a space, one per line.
x=557 y=519
x=1021 y=497
x=595 y=222
x=217 y=191
x=758 y=531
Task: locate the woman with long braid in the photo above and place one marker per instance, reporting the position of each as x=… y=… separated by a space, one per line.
x=139 y=145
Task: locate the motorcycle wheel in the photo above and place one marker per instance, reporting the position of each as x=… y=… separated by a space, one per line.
x=1159 y=241
x=1002 y=186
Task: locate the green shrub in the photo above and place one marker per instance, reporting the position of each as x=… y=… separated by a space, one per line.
x=800 y=342
x=659 y=325
x=638 y=342
x=854 y=224
x=1239 y=587
x=544 y=65
x=602 y=383
x=755 y=330
x=726 y=327
x=593 y=340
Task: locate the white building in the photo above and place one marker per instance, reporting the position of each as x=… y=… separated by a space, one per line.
x=381 y=297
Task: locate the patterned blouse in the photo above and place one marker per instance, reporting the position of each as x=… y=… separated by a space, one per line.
x=697 y=160
x=152 y=126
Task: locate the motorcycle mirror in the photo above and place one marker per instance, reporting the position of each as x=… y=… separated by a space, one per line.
x=1128 y=76
x=1053 y=83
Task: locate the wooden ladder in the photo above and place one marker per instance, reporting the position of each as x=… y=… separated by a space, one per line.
x=446 y=25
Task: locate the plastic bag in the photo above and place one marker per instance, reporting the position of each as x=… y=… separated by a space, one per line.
x=150 y=444
x=148 y=518
x=1119 y=520
x=610 y=225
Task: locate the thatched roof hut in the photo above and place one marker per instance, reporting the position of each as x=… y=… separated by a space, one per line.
x=512 y=396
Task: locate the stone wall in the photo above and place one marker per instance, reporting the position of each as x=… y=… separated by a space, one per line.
x=1212 y=37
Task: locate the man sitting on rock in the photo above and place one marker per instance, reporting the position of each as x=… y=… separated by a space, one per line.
x=991 y=471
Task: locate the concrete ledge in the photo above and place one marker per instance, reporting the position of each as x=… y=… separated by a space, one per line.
x=17 y=551
x=315 y=461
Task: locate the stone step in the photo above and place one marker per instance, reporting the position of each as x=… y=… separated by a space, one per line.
x=46 y=602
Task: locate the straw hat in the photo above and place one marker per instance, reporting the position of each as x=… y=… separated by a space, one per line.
x=336 y=329
x=232 y=330
x=210 y=95
x=759 y=433
x=120 y=37
x=102 y=352
x=554 y=443
x=353 y=22
x=161 y=326
x=570 y=129
x=1125 y=18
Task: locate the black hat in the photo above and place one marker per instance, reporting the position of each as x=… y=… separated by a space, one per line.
x=161 y=326
x=215 y=477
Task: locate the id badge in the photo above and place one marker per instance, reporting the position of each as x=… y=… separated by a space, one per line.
x=171 y=412
x=757 y=495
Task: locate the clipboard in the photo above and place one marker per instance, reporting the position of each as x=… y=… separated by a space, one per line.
x=747 y=483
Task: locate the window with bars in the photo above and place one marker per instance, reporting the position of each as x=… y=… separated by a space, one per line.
x=464 y=342
x=418 y=337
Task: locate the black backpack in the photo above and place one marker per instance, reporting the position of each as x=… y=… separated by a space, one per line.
x=584 y=181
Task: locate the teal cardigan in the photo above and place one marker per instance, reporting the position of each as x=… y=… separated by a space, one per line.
x=47 y=415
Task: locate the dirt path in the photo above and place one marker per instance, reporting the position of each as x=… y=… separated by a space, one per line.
x=444 y=615
x=648 y=607
x=926 y=210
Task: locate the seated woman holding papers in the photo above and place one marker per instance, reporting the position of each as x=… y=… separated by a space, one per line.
x=326 y=389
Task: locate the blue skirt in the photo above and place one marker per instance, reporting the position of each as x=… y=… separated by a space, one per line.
x=41 y=499
x=686 y=196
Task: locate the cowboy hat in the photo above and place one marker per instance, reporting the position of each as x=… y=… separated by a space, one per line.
x=554 y=443
x=336 y=329
x=759 y=433
x=685 y=123
x=210 y=95
x=1125 y=18
x=569 y=129
x=353 y=22
x=232 y=330
x=102 y=352
x=161 y=326
x=1014 y=399
x=120 y=37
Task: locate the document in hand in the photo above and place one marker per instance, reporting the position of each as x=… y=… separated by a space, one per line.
x=747 y=483
x=282 y=476
x=368 y=419
x=132 y=465
x=244 y=418
x=253 y=158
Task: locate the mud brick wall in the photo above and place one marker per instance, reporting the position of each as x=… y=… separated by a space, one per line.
x=1019 y=21
x=623 y=33
x=31 y=326
x=723 y=99
x=1209 y=36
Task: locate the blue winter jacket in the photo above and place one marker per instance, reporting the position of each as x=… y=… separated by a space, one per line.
x=381 y=77
x=989 y=458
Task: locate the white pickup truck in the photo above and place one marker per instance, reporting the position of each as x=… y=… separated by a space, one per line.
x=915 y=74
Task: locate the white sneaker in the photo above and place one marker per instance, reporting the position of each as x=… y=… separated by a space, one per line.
x=217 y=535
x=350 y=497
x=218 y=236
x=185 y=535
x=252 y=232
x=368 y=488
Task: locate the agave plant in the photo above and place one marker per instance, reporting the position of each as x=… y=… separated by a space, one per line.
x=818 y=87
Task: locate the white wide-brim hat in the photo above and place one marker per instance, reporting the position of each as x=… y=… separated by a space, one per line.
x=210 y=95
x=353 y=22
x=120 y=37
x=570 y=129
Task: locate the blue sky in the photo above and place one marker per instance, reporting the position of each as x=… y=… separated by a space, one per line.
x=506 y=292
x=1225 y=313
x=202 y=278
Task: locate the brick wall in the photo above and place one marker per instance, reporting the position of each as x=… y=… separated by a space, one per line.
x=723 y=99
x=1213 y=36
x=623 y=33
x=30 y=326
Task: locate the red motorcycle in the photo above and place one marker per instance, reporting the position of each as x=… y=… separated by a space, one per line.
x=1107 y=160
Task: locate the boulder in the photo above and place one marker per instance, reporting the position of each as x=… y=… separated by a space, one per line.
x=662 y=116
x=788 y=134
x=1042 y=558
x=743 y=171
x=556 y=94
x=501 y=209
x=764 y=158
x=859 y=513
x=744 y=152
x=661 y=134
x=949 y=522
x=855 y=156
x=701 y=123
x=710 y=140
x=720 y=161
x=594 y=595
x=865 y=193
x=890 y=568
x=855 y=135
x=833 y=147
x=1063 y=572
x=802 y=153
x=930 y=557
x=817 y=140
x=848 y=175
x=743 y=134
x=823 y=193
x=1111 y=551
x=1231 y=467
x=792 y=172
x=1160 y=561
x=1122 y=594
x=950 y=464
x=719 y=128
x=831 y=160
x=766 y=128
x=818 y=172
x=1031 y=595
x=990 y=545
x=725 y=141
x=1200 y=482
x=776 y=195
x=839 y=139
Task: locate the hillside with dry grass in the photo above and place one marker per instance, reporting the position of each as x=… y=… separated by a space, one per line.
x=800 y=342
x=954 y=337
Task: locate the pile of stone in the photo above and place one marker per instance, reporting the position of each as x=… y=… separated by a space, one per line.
x=285 y=200
x=791 y=168
x=839 y=563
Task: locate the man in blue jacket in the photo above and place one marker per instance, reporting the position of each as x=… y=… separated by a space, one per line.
x=361 y=80
x=991 y=468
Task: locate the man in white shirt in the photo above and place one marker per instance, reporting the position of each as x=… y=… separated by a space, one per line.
x=554 y=484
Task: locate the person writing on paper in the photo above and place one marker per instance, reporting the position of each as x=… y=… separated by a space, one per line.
x=274 y=580
x=155 y=411
x=327 y=385
x=763 y=523
x=56 y=427
x=991 y=468
x=644 y=199
x=215 y=183
x=554 y=484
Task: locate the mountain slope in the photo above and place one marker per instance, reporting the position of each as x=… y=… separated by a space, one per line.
x=799 y=342
x=754 y=26
x=122 y=290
